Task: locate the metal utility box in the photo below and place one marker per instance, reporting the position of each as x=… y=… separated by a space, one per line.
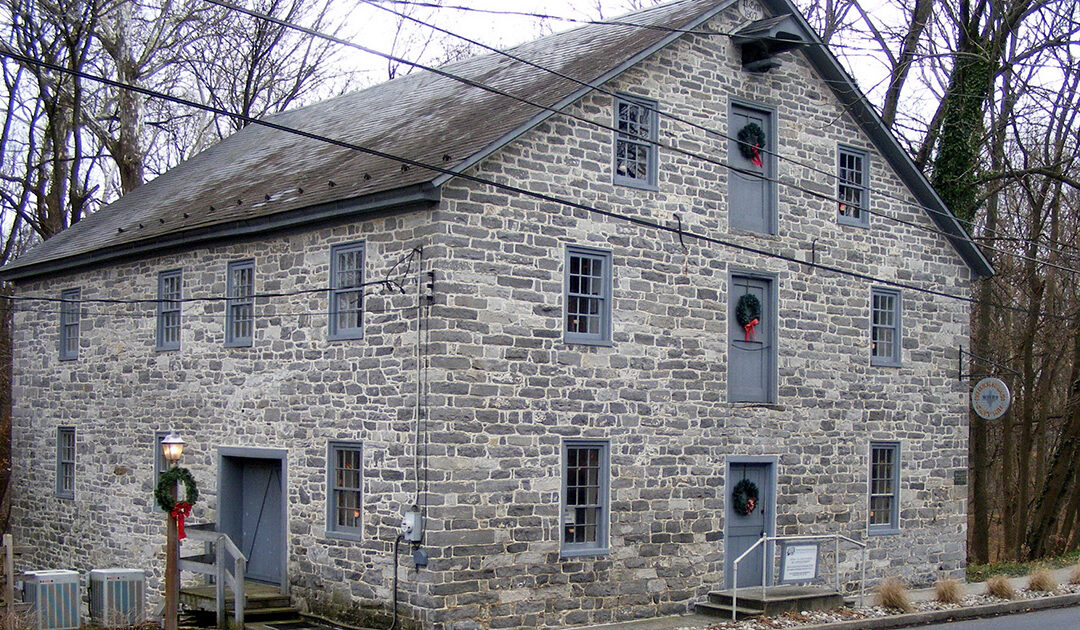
x=117 y=597
x=54 y=597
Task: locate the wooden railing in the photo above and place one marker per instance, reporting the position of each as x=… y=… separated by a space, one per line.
x=225 y=563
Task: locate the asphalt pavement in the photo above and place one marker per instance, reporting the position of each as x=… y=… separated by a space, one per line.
x=1054 y=619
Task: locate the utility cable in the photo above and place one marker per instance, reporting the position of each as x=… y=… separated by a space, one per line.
x=632 y=220
x=723 y=164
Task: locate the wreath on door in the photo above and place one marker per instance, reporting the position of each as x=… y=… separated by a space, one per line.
x=751 y=142
x=748 y=313
x=745 y=497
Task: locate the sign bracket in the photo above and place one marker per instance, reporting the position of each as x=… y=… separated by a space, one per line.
x=960 y=375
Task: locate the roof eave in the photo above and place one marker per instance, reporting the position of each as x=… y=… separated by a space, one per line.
x=417 y=196
x=851 y=96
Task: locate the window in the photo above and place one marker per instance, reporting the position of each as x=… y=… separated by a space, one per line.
x=585 y=497
x=635 y=151
x=752 y=179
x=160 y=465
x=347 y=291
x=751 y=349
x=852 y=187
x=588 y=296
x=884 y=487
x=69 y=324
x=240 y=314
x=170 y=285
x=345 y=475
x=884 y=327
x=65 y=462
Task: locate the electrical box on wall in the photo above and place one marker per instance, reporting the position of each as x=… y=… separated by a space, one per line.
x=412 y=526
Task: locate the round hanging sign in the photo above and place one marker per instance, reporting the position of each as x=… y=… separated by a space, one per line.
x=990 y=398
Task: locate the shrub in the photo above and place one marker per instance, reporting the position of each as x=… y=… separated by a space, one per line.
x=1000 y=587
x=948 y=591
x=1042 y=580
x=892 y=594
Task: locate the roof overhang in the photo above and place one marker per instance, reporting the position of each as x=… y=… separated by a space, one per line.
x=760 y=41
x=415 y=197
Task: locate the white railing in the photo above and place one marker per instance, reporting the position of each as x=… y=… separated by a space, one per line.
x=224 y=550
x=765 y=540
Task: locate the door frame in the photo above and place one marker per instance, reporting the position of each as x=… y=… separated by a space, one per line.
x=772 y=463
x=772 y=200
x=773 y=341
x=273 y=455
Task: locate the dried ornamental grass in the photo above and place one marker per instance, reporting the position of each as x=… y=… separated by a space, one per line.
x=1000 y=587
x=1074 y=577
x=948 y=591
x=892 y=594
x=1042 y=580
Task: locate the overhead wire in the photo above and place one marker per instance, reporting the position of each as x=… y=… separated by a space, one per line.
x=721 y=163
x=5 y=51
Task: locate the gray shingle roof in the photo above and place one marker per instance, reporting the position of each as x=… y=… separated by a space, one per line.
x=260 y=175
x=259 y=172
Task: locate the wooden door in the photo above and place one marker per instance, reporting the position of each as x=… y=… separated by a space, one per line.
x=262 y=537
x=743 y=530
x=751 y=362
x=750 y=187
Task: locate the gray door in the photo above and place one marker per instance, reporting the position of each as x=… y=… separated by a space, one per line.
x=750 y=197
x=743 y=530
x=750 y=362
x=251 y=513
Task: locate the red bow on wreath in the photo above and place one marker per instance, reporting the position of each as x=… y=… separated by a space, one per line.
x=181 y=511
x=757 y=155
x=749 y=328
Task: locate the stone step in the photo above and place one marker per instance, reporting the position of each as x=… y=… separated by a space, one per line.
x=275 y=614
x=719 y=610
x=779 y=599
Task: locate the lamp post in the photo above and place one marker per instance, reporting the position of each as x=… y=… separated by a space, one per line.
x=172 y=446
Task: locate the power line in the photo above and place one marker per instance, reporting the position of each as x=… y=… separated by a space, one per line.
x=723 y=164
x=637 y=221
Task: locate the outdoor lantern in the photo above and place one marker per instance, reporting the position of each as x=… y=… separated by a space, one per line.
x=172 y=447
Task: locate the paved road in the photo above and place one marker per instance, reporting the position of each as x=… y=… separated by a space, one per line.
x=1054 y=619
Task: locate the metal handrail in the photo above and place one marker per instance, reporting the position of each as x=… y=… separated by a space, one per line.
x=765 y=539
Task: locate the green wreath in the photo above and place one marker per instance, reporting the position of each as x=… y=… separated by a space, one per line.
x=744 y=498
x=751 y=142
x=747 y=309
x=163 y=493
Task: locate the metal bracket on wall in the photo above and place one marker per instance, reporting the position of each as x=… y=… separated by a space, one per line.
x=960 y=365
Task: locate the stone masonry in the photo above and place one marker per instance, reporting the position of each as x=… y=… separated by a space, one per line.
x=501 y=390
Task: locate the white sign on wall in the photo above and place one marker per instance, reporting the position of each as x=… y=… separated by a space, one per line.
x=799 y=562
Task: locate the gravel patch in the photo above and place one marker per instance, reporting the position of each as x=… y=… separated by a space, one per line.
x=813 y=617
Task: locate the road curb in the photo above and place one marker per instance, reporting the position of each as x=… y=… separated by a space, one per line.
x=954 y=614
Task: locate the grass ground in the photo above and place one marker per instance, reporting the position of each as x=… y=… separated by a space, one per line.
x=979 y=572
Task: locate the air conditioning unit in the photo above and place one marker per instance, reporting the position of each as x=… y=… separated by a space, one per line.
x=54 y=598
x=117 y=597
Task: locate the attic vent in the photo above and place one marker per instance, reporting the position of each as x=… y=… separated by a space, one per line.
x=762 y=40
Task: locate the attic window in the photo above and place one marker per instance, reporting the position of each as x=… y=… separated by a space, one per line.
x=760 y=41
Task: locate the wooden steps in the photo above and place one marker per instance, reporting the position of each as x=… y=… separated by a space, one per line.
x=265 y=603
x=776 y=600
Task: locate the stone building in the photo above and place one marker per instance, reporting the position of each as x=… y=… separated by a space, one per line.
x=531 y=325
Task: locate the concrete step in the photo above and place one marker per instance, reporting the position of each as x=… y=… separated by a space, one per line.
x=778 y=599
x=724 y=612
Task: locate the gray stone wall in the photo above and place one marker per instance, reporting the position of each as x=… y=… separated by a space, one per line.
x=502 y=390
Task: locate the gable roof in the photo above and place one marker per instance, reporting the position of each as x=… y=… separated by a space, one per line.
x=262 y=178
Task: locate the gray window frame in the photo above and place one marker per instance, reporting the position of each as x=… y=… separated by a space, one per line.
x=65 y=463
x=652 y=157
x=603 y=337
x=233 y=303
x=863 y=188
x=160 y=465
x=333 y=528
x=70 y=316
x=602 y=544
x=336 y=333
x=893 y=525
x=894 y=358
x=168 y=305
